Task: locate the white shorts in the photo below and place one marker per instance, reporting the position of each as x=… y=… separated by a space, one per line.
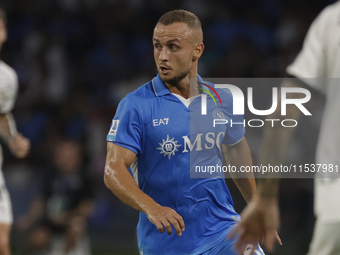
x=326 y=238
x=6 y=216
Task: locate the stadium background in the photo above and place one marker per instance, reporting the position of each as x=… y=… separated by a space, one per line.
x=77 y=58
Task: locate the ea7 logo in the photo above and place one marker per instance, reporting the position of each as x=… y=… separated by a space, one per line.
x=157 y=122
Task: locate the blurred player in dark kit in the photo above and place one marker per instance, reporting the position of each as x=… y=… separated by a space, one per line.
x=58 y=219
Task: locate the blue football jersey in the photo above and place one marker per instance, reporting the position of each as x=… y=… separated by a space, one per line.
x=170 y=140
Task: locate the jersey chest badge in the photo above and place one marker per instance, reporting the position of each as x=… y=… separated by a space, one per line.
x=168 y=147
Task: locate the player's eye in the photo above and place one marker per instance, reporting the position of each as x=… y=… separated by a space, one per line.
x=173 y=47
x=158 y=46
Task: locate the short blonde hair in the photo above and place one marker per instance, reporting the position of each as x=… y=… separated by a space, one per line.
x=181 y=16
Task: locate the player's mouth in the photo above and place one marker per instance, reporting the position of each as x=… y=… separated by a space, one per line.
x=164 y=69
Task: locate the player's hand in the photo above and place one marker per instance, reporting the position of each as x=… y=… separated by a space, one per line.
x=259 y=219
x=266 y=241
x=19 y=145
x=164 y=217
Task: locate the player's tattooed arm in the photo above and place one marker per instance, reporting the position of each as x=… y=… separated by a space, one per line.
x=274 y=148
x=276 y=139
x=118 y=179
x=268 y=187
x=239 y=155
x=261 y=216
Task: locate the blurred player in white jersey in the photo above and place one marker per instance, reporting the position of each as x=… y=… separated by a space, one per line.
x=18 y=144
x=318 y=67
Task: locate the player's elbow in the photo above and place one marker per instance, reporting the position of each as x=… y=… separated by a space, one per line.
x=107 y=179
x=108 y=173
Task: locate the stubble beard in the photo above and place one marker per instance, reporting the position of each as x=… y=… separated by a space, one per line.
x=174 y=81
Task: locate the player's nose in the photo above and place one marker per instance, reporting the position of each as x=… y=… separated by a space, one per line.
x=164 y=54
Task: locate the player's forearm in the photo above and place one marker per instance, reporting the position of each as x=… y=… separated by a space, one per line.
x=274 y=148
x=275 y=145
x=276 y=140
x=240 y=157
x=245 y=181
x=268 y=188
x=273 y=152
x=246 y=186
x=120 y=182
x=7 y=127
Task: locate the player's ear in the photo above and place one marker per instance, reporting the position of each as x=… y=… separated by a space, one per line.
x=198 y=51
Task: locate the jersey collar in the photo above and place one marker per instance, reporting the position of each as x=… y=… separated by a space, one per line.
x=159 y=87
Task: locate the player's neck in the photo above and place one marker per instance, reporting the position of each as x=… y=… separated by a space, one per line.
x=187 y=87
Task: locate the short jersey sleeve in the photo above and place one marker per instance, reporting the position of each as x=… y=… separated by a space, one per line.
x=311 y=61
x=126 y=127
x=236 y=127
x=8 y=90
x=235 y=132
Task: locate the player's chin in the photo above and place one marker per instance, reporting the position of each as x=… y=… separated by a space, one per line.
x=165 y=77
